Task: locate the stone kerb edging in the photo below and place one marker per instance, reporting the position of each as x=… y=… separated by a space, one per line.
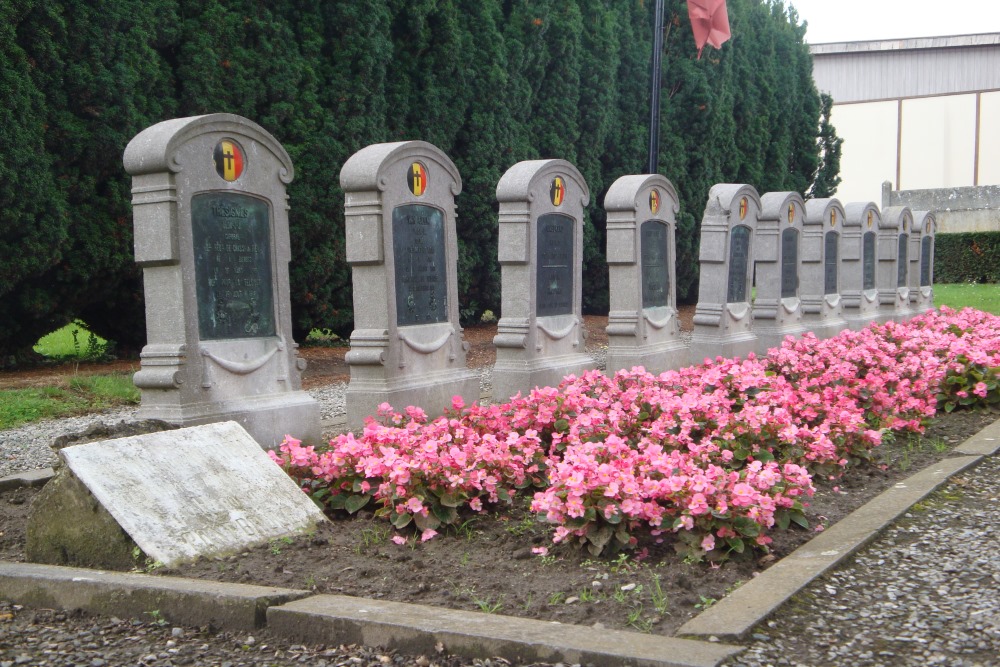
x=335 y=619
x=733 y=617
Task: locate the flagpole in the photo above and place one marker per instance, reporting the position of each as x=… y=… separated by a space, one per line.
x=654 y=102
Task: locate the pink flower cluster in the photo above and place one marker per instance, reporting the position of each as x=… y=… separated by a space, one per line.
x=716 y=454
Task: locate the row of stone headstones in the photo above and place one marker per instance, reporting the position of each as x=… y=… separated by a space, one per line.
x=211 y=234
x=816 y=265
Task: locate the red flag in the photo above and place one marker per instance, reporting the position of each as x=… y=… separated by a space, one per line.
x=709 y=22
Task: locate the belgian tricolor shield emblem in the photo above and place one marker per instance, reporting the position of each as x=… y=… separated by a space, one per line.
x=416 y=178
x=558 y=191
x=791 y=213
x=870 y=219
x=833 y=218
x=654 y=201
x=743 y=208
x=229 y=160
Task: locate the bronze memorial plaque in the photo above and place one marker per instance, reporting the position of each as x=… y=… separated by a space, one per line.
x=868 y=261
x=655 y=264
x=789 y=263
x=902 y=260
x=420 y=267
x=830 y=263
x=739 y=258
x=232 y=259
x=554 y=287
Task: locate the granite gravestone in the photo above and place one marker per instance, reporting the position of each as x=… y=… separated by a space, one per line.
x=540 y=337
x=922 y=262
x=820 y=269
x=891 y=276
x=777 y=308
x=204 y=491
x=211 y=235
x=643 y=329
x=859 y=257
x=723 y=319
x=406 y=347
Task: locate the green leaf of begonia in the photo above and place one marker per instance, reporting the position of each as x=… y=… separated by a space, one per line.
x=356 y=502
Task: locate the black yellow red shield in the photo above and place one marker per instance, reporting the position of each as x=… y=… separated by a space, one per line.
x=654 y=201
x=743 y=208
x=557 y=191
x=791 y=213
x=416 y=178
x=833 y=218
x=229 y=160
x=871 y=219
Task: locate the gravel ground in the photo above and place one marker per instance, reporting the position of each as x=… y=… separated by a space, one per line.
x=927 y=592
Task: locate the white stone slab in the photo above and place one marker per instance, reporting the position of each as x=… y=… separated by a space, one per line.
x=199 y=491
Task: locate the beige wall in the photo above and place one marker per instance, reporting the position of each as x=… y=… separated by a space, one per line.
x=936 y=146
x=869 y=131
x=938 y=143
x=989 y=139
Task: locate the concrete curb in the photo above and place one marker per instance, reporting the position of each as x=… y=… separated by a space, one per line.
x=191 y=602
x=417 y=629
x=734 y=616
x=984 y=443
x=27 y=478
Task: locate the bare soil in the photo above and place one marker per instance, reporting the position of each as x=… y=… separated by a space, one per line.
x=487 y=563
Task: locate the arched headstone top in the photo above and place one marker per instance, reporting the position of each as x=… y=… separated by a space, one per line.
x=862 y=214
x=827 y=212
x=366 y=170
x=154 y=150
x=635 y=193
x=525 y=180
x=737 y=202
x=924 y=223
x=786 y=208
x=897 y=218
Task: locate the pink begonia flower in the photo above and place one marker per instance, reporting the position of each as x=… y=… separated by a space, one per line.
x=540 y=551
x=427 y=535
x=708 y=543
x=980 y=390
x=414 y=506
x=399 y=539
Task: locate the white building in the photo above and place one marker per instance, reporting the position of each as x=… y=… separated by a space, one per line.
x=923 y=114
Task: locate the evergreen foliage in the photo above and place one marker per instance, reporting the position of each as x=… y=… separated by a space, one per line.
x=968 y=257
x=490 y=82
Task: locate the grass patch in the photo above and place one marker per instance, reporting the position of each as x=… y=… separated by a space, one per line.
x=73 y=341
x=75 y=395
x=984 y=297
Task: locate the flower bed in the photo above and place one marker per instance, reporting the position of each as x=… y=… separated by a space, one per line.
x=715 y=455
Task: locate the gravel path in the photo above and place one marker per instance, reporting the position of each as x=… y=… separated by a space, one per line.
x=927 y=592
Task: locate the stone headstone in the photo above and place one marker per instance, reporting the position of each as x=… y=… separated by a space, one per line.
x=821 y=267
x=406 y=347
x=892 y=275
x=211 y=235
x=201 y=491
x=643 y=329
x=723 y=318
x=540 y=337
x=777 y=308
x=859 y=258
x=922 y=262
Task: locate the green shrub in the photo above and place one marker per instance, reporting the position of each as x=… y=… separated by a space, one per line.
x=971 y=257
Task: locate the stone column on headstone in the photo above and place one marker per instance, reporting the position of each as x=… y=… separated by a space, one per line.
x=922 y=262
x=406 y=347
x=643 y=329
x=723 y=318
x=777 y=307
x=540 y=337
x=210 y=212
x=893 y=250
x=821 y=274
x=859 y=256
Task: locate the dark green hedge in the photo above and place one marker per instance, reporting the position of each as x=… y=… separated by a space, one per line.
x=972 y=257
x=490 y=82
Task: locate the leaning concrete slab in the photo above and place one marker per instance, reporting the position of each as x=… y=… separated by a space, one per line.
x=410 y=628
x=189 y=602
x=735 y=615
x=984 y=443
